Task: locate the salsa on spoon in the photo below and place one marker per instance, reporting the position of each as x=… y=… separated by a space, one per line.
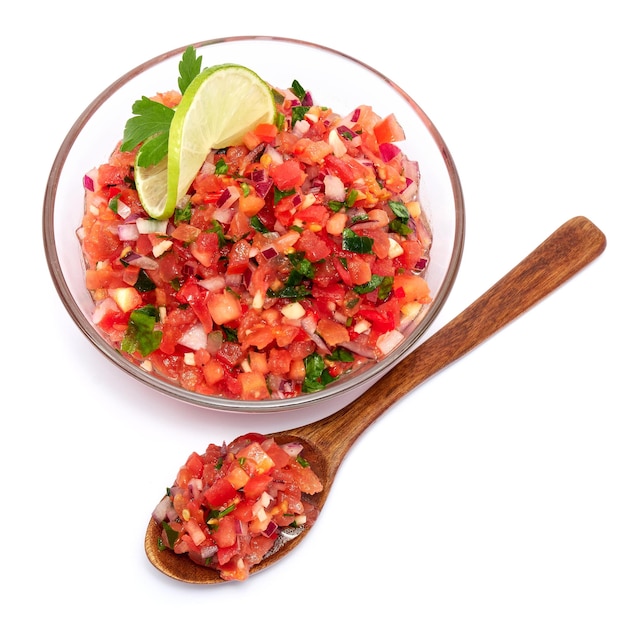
x=326 y=442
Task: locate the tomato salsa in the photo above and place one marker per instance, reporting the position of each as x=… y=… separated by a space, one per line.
x=230 y=505
x=293 y=259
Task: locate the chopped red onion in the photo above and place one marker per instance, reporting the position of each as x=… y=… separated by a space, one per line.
x=224 y=198
x=269 y=252
x=359 y=348
x=271 y=529
x=213 y=283
x=137 y=260
x=345 y=132
x=206 y=552
x=389 y=340
x=161 y=509
x=388 y=151
x=224 y=215
x=355 y=115
x=127 y=232
x=88 y=181
x=334 y=188
x=309 y=326
x=293 y=449
x=195 y=338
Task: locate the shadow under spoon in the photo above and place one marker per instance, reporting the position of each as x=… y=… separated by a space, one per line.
x=326 y=442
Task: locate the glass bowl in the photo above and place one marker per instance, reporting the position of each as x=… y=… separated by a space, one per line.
x=279 y=61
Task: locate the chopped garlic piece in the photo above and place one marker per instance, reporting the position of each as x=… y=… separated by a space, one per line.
x=293 y=311
x=395 y=249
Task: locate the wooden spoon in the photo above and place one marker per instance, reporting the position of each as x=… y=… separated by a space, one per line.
x=326 y=442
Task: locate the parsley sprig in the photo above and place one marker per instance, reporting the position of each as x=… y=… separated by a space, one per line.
x=151 y=121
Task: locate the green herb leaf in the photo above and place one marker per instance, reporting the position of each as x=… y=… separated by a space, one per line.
x=144 y=283
x=258 y=225
x=140 y=334
x=399 y=210
x=188 y=68
x=317 y=376
x=373 y=283
x=221 y=167
x=398 y=226
x=151 y=121
x=279 y=195
x=356 y=243
x=342 y=355
x=302 y=268
x=291 y=292
x=171 y=534
x=385 y=288
x=230 y=334
x=298 y=90
x=182 y=215
x=113 y=203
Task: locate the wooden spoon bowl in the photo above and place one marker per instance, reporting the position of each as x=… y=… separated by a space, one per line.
x=326 y=442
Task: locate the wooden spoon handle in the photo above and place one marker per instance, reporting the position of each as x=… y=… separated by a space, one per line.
x=569 y=249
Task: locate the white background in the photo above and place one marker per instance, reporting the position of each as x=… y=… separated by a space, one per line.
x=505 y=503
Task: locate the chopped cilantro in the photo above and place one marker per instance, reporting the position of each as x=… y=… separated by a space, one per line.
x=298 y=90
x=171 y=534
x=291 y=292
x=113 y=203
x=144 y=283
x=140 y=334
x=229 y=333
x=342 y=355
x=352 y=197
x=400 y=224
x=356 y=243
x=219 y=230
x=302 y=268
x=221 y=167
x=258 y=225
x=373 y=283
x=182 y=215
x=279 y=195
x=317 y=375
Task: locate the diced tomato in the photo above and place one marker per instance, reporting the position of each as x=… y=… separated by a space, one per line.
x=224 y=307
x=414 y=288
x=219 y=493
x=253 y=386
x=287 y=174
x=205 y=248
x=225 y=534
x=251 y=204
x=257 y=485
x=389 y=130
x=333 y=333
x=266 y=132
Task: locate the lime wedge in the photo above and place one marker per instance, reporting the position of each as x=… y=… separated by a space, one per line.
x=218 y=108
x=151 y=185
